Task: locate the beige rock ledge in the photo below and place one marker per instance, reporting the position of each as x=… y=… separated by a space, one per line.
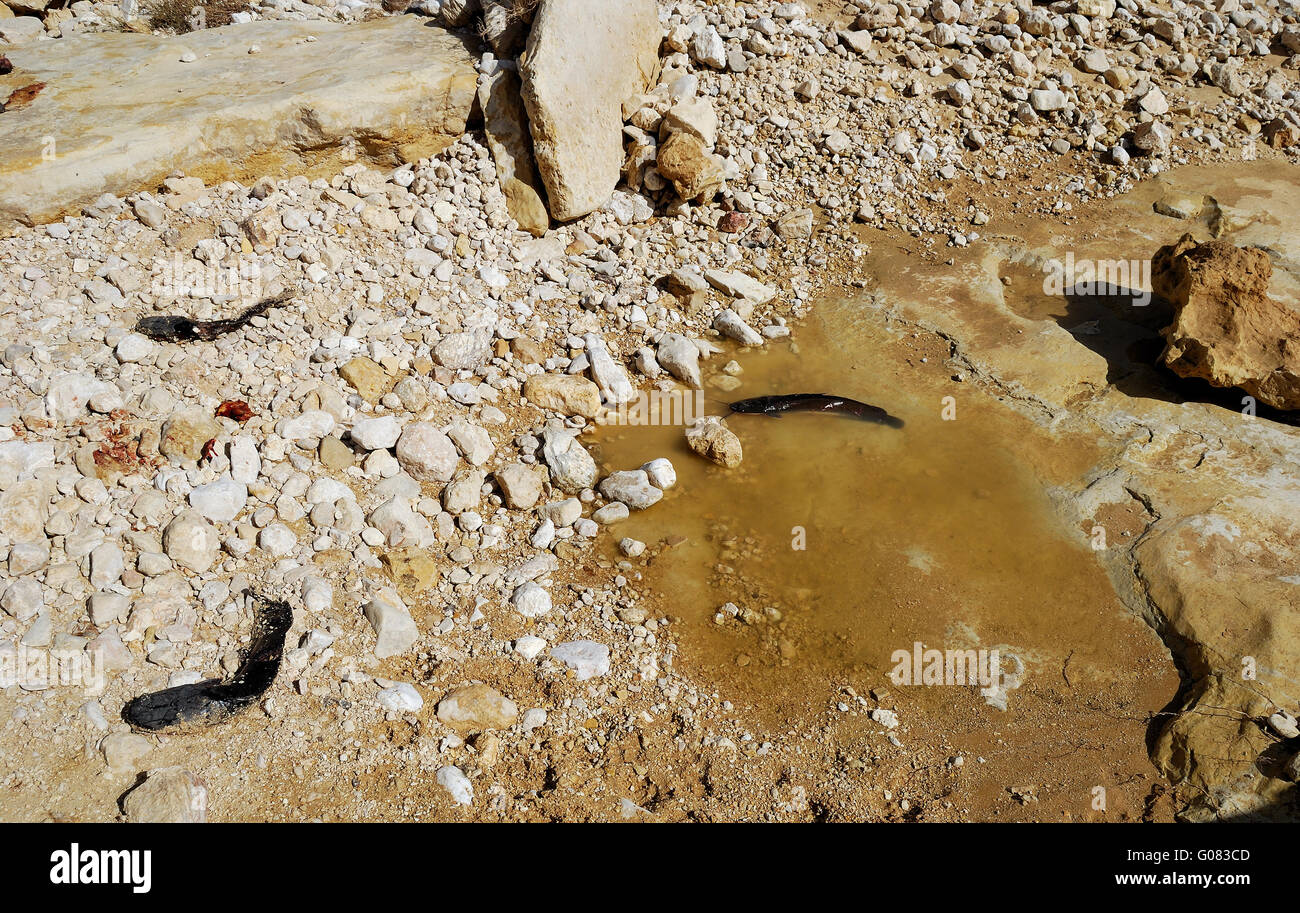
x=1211 y=495
x=122 y=111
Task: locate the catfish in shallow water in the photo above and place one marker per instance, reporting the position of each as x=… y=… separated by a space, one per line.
x=815 y=402
x=176 y=328
x=214 y=700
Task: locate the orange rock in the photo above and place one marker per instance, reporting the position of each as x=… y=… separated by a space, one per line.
x=1226 y=329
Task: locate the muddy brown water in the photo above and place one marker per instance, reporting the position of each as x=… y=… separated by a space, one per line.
x=845 y=541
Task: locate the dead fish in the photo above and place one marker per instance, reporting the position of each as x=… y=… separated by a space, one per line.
x=176 y=328
x=20 y=98
x=815 y=402
x=207 y=702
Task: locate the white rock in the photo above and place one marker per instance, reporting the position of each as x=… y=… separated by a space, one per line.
x=278 y=540
x=245 y=462
x=609 y=376
x=632 y=487
x=473 y=441
x=220 y=501
x=329 y=491
x=426 y=453
x=376 y=433
x=542 y=537
x=394 y=628
x=67 y=396
x=529 y=647
x=731 y=325
x=680 y=357
x=401 y=698
x=107 y=608
x=317 y=594
x=1045 y=100
x=531 y=600
x=585 y=657
x=314 y=423
x=457 y=785
x=739 y=285
x=661 y=473
x=106 y=565
x=23 y=598
x=190 y=541
x=133 y=347
x=886 y=718
x=584 y=59
x=708 y=48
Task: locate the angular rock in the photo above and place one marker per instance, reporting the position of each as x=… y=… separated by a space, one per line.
x=572 y=467
x=694 y=171
x=739 y=285
x=395 y=629
x=694 y=116
x=562 y=513
x=1227 y=329
x=465 y=492
x=367 y=377
x=584 y=57
x=730 y=324
x=506 y=124
x=473 y=441
x=715 y=442
x=609 y=376
x=587 y=658
x=681 y=358
x=1153 y=137
x=219 y=501
x=24 y=508
x=106 y=565
x=169 y=795
x=520 y=485
x=632 y=487
x=309 y=425
x=23 y=598
x=795 y=225
x=376 y=433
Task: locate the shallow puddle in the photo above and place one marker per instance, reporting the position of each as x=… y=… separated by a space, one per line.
x=844 y=541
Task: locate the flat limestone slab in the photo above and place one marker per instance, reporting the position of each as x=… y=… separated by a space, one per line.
x=121 y=111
